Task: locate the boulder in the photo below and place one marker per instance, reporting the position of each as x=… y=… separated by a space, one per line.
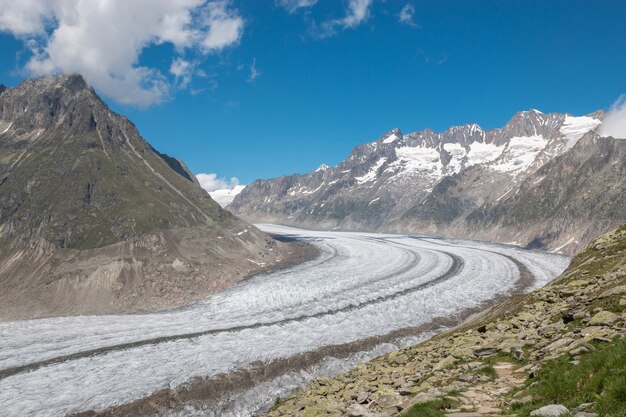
x=358 y=410
x=619 y=290
x=485 y=351
x=552 y=410
x=604 y=317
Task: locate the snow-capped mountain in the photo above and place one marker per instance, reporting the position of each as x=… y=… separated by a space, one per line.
x=225 y=196
x=450 y=183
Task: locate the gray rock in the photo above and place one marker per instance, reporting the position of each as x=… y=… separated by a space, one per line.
x=604 y=317
x=553 y=410
x=619 y=290
x=362 y=397
x=522 y=401
x=358 y=410
x=486 y=351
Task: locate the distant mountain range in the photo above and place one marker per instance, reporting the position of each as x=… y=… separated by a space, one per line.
x=542 y=181
x=95 y=220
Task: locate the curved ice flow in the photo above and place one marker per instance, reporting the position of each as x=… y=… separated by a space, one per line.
x=363 y=285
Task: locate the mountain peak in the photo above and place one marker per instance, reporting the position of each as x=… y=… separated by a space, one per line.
x=391 y=136
x=69 y=84
x=52 y=101
x=73 y=82
x=322 y=167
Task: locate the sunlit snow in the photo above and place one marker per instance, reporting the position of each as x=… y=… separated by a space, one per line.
x=418 y=159
x=575 y=127
x=371 y=174
x=519 y=154
x=391 y=138
x=226 y=196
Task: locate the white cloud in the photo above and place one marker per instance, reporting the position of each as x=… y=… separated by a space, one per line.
x=212 y=182
x=183 y=72
x=24 y=17
x=406 y=15
x=293 y=5
x=254 y=72
x=225 y=27
x=103 y=39
x=356 y=12
x=614 y=123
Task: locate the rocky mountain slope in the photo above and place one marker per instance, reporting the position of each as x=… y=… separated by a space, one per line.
x=93 y=219
x=558 y=351
x=543 y=180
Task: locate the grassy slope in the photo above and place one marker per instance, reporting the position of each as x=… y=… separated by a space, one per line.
x=437 y=365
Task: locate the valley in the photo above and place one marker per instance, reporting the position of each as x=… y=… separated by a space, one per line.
x=365 y=293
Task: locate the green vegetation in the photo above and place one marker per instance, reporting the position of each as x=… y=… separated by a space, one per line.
x=487 y=370
x=502 y=357
x=277 y=402
x=601 y=257
x=600 y=377
x=430 y=409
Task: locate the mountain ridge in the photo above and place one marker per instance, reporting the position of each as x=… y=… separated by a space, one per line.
x=382 y=185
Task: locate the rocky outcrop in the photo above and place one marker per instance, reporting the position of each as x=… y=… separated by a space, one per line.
x=543 y=180
x=94 y=220
x=484 y=367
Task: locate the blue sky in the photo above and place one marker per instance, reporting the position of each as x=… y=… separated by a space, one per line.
x=272 y=89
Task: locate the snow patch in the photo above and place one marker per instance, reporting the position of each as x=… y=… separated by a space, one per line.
x=391 y=138
x=7 y=128
x=373 y=201
x=307 y=191
x=226 y=196
x=519 y=154
x=371 y=174
x=418 y=159
x=575 y=127
x=481 y=153
x=569 y=242
x=457 y=152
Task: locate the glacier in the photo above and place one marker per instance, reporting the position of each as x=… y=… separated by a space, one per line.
x=361 y=286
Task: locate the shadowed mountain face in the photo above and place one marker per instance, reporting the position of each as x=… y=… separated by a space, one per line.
x=78 y=175
x=542 y=180
x=89 y=210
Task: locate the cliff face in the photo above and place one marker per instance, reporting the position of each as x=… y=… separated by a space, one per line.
x=561 y=344
x=93 y=219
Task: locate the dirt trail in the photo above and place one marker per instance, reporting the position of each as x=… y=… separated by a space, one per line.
x=485 y=399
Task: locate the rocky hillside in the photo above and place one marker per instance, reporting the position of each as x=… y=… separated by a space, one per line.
x=559 y=351
x=93 y=219
x=543 y=180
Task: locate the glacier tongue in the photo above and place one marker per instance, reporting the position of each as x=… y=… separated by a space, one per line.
x=363 y=285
